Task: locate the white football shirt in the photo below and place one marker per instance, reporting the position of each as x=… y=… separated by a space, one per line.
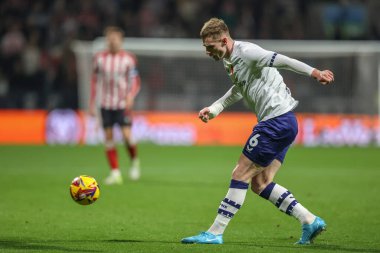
x=255 y=78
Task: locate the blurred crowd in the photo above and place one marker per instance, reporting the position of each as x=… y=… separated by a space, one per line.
x=38 y=67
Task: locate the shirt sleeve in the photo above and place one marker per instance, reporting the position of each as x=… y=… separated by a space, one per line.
x=260 y=58
x=94 y=78
x=232 y=96
x=256 y=56
x=284 y=62
x=95 y=64
x=133 y=78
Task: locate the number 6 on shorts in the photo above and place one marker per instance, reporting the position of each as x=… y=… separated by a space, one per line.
x=254 y=140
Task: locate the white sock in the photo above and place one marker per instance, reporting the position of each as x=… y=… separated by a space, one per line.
x=115 y=172
x=302 y=214
x=135 y=163
x=229 y=206
x=285 y=201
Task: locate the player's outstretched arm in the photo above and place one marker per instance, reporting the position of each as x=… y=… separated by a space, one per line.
x=324 y=77
x=285 y=62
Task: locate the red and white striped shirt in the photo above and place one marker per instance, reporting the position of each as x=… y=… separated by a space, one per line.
x=115 y=77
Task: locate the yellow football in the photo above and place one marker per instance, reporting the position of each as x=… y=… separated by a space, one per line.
x=84 y=190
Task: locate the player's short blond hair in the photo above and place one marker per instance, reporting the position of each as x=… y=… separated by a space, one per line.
x=215 y=27
x=111 y=29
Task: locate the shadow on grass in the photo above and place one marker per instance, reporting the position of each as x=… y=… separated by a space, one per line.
x=47 y=246
x=136 y=241
x=311 y=248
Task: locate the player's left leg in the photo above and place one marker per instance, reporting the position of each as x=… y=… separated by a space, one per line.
x=130 y=145
x=268 y=146
x=263 y=185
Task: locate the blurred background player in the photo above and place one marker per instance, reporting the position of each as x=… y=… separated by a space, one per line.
x=255 y=79
x=115 y=84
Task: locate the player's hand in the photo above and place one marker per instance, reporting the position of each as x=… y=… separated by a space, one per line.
x=204 y=114
x=324 y=77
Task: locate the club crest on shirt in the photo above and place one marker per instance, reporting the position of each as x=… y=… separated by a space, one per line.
x=229 y=66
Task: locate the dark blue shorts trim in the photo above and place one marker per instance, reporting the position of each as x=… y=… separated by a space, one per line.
x=238 y=184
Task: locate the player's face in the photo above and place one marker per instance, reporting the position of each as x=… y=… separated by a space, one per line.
x=115 y=41
x=215 y=48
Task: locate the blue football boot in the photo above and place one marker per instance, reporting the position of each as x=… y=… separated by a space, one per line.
x=310 y=231
x=204 y=238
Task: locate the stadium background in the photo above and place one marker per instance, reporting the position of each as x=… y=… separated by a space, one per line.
x=45 y=57
x=47 y=47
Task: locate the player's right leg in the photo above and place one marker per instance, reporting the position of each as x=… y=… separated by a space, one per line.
x=111 y=154
x=230 y=205
x=108 y=120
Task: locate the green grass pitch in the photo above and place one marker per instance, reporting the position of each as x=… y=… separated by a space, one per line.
x=177 y=196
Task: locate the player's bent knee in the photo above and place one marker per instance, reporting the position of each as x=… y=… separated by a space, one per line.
x=244 y=173
x=109 y=144
x=237 y=175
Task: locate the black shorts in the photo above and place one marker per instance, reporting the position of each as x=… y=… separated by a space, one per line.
x=112 y=117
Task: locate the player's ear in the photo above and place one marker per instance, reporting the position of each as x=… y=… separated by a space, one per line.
x=224 y=41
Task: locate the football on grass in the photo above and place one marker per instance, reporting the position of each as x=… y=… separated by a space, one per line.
x=84 y=190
